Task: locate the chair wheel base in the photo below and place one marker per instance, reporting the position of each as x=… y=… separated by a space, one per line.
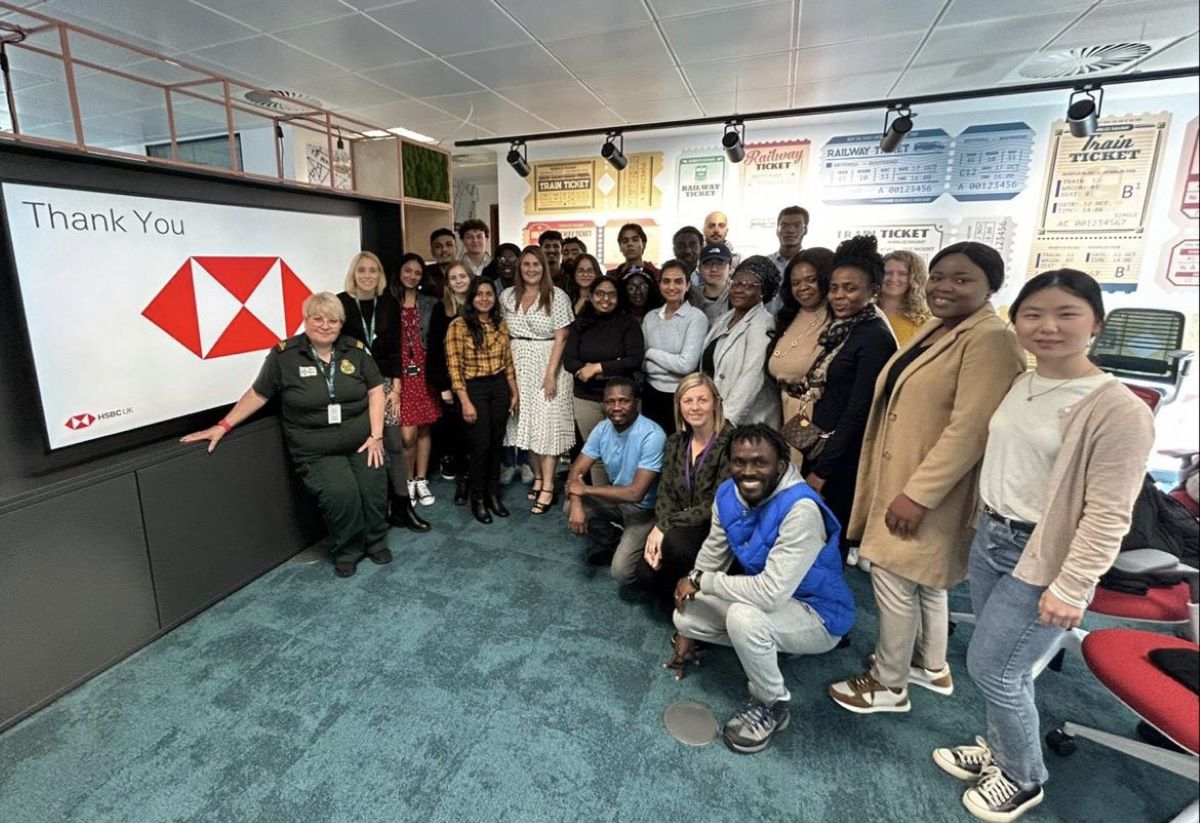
x=1061 y=743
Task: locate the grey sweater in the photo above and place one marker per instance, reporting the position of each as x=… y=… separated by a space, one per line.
x=801 y=538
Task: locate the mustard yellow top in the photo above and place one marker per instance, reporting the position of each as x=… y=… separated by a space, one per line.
x=902 y=327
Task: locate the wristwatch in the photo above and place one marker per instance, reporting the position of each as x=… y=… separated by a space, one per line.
x=694 y=578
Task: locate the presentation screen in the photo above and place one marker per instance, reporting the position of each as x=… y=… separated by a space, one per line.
x=142 y=309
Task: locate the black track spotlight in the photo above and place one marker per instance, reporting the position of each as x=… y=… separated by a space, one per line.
x=613 y=150
x=734 y=141
x=518 y=158
x=341 y=144
x=1083 y=110
x=897 y=129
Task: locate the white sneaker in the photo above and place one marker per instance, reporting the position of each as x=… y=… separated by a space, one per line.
x=852 y=556
x=412 y=489
x=936 y=681
x=864 y=565
x=863 y=694
x=507 y=473
x=526 y=474
x=420 y=492
x=964 y=762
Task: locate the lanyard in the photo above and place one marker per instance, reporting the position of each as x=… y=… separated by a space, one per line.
x=328 y=370
x=368 y=327
x=687 y=465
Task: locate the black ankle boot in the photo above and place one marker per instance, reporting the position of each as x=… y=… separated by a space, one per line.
x=403 y=516
x=460 y=490
x=479 y=509
x=496 y=505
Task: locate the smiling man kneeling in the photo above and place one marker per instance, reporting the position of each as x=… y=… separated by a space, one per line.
x=791 y=596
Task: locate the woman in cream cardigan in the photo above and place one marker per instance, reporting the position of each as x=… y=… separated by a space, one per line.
x=914 y=505
x=1064 y=462
x=736 y=345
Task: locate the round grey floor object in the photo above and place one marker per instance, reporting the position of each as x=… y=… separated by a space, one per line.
x=690 y=722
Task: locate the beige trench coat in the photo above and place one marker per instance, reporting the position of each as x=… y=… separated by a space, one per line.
x=927 y=442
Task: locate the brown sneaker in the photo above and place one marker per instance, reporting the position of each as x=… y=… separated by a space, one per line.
x=864 y=694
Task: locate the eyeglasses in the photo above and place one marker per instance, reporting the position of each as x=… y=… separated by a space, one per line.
x=637 y=287
x=745 y=285
x=322 y=320
x=604 y=295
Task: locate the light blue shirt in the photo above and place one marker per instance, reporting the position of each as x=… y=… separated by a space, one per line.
x=638 y=447
x=673 y=345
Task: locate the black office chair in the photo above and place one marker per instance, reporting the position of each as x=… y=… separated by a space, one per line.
x=1142 y=348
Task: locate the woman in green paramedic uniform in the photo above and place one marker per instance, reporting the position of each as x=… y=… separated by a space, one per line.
x=331 y=397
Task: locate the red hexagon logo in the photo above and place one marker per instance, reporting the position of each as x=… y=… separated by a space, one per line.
x=218 y=306
x=80 y=421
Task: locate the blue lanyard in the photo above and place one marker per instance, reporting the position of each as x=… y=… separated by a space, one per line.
x=368 y=328
x=328 y=371
x=687 y=465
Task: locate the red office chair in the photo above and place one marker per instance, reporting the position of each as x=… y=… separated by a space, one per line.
x=1120 y=660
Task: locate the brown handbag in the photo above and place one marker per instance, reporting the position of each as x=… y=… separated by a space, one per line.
x=805 y=436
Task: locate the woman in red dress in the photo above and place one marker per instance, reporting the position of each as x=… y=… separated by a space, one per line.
x=418 y=402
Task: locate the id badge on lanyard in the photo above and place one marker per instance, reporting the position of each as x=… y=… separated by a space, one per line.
x=333 y=411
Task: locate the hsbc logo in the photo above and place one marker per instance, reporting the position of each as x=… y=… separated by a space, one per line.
x=80 y=421
x=219 y=306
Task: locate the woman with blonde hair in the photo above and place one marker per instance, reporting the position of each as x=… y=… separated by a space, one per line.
x=902 y=296
x=538 y=314
x=372 y=316
x=695 y=461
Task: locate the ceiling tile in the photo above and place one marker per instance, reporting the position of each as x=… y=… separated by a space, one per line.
x=870 y=56
x=682 y=8
x=651 y=111
x=850 y=89
x=264 y=58
x=1177 y=56
x=569 y=18
x=427 y=78
x=162 y=71
x=347 y=91
x=269 y=15
x=949 y=43
x=744 y=101
x=539 y=96
x=612 y=52
x=765 y=71
x=465 y=25
x=978 y=71
x=515 y=121
x=732 y=33
x=475 y=105
x=847 y=20
x=175 y=26
x=581 y=116
x=407 y=113
x=972 y=11
x=353 y=42
x=1121 y=22
x=657 y=84
x=511 y=66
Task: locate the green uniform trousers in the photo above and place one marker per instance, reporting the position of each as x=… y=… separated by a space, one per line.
x=353 y=502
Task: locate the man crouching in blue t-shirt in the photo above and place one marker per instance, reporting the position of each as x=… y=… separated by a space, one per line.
x=618 y=517
x=791 y=596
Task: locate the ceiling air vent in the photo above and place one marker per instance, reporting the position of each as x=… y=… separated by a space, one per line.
x=1082 y=61
x=283 y=101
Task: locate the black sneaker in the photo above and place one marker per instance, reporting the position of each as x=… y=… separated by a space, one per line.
x=997 y=799
x=964 y=762
x=448 y=470
x=751 y=729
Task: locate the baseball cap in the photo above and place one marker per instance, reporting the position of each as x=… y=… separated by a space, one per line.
x=715 y=251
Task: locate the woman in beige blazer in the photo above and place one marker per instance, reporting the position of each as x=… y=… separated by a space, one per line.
x=915 y=504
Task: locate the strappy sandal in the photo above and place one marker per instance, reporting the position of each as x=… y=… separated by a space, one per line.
x=541 y=508
x=534 y=490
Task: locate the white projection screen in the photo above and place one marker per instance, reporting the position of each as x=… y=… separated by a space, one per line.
x=142 y=310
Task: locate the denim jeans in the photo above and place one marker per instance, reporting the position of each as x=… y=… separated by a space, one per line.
x=1008 y=640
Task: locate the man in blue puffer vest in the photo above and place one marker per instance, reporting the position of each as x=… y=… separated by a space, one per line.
x=791 y=596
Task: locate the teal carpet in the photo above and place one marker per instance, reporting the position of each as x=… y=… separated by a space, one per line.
x=489 y=674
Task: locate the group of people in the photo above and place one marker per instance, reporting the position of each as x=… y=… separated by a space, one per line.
x=741 y=432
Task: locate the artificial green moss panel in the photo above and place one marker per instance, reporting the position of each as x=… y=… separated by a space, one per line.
x=426 y=173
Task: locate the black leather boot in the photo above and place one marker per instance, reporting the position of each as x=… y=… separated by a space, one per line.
x=460 y=490
x=479 y=509
x=496 y=505
x=402 y=515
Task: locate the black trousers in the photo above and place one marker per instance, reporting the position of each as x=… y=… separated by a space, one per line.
x=659 y=406
x=490 y=397
x=679 y=549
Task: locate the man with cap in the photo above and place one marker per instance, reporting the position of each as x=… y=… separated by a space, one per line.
x=736 y=346
x=711 y=295
x=791 y=596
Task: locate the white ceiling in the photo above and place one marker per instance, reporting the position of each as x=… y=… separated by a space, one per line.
x=458 y=69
